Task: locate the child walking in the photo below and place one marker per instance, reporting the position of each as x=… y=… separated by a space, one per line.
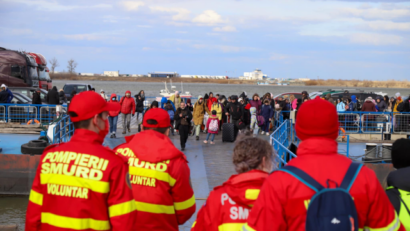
x=212 y=126
x=267 y=113
x=254 y=121
x=171 y=112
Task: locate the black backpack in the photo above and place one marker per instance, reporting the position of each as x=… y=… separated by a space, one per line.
x=330 y=208
x=400 y=107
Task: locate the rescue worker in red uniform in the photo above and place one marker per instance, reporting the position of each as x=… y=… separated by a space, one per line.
x=283 y=200
x=159 y=175
x=228 y=205
x=81 y=185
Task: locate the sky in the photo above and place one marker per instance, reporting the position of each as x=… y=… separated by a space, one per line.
x=349 y=39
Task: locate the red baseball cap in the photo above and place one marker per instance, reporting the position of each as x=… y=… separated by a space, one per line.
x=88 y=104
x=159 y=115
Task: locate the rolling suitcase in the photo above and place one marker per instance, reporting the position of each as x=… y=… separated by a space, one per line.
x=228 y=132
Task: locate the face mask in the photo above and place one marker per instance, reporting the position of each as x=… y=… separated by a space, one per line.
x=104 y=132
x=114 y=98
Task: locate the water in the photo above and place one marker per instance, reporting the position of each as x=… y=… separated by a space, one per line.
x=153 y=89
x=13 y=211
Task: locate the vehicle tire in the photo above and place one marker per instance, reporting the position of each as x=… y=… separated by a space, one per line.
x=38 y=143
x=26 y=149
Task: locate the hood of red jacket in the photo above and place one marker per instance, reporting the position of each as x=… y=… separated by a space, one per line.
x=154 y=147
x=128 y=92
x=112 y=96
x=244 y=188
x=248 y=106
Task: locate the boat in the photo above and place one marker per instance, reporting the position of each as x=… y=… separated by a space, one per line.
x=167 y=93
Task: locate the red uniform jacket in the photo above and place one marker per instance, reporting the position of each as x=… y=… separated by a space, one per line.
x=283 y=201
x=159 y=175
x=228 y=206
x=113 y=113
x=127 y=104
x=81 y=185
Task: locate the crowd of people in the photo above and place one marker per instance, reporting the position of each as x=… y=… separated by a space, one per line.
x=144 y=184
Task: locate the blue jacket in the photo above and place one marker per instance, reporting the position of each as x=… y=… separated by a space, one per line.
x=341 y=107
x=267 y=112
x=164 y=101
x=10 y=97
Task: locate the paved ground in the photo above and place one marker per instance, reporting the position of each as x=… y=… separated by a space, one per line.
x=210 y=165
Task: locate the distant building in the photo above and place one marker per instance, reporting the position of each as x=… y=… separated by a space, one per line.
x=304 y=79
x=86 y=74
x=111 y=73
x=255 y=75
x=163 y=74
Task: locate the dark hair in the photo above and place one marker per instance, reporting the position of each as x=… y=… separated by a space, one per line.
x=266 y=101
x=154 y=103
x=386 y=98
x=249 y=151
x=253 y=97
x=83 y=124
x=213 y=112
x=154 y=122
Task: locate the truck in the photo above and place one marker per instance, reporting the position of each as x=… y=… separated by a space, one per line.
x=18 y=69
x=42 y=70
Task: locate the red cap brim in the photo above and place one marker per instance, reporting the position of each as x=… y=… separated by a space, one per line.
x=112 y=107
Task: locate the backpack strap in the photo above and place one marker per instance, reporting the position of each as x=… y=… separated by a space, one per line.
x=302 y=177
x=351 y=175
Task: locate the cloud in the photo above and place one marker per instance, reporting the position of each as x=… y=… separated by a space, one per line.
x=375 y=39
x=131 y=5
x=20 y=31
x=208 y=17
x=278 y=57
x=181 y=13
x=225 y=29
x=89 y=37
x=386 y=25
x=223 y=48
x=375 y=13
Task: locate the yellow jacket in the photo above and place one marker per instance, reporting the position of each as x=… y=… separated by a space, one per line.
x=396 y=104
x=218 y=109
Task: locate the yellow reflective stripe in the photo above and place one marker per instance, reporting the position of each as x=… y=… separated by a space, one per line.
x=36 y=198
x=393 y=226
x=162 y=176
x=193 y=225
x=185 y=204
x=252 y=194
x=154 y=208
x=246 y=227
x=74 y=223
x=230 y=226
x=121 y=209
x=390 y=187
x=94 y=185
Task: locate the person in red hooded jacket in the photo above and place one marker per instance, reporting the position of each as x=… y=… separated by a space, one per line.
x=113 y=116
x=82 y=185
x=127 y=109
x=159 y=175
x=228 y=205
x=283 y=201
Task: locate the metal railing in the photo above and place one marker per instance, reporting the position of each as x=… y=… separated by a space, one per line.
x=63 y=130
x=281 y=138
x=24 y=113
x=401 y=123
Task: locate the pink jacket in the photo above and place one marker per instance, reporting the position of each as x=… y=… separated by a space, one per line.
x=209 y=121
x=295 y=104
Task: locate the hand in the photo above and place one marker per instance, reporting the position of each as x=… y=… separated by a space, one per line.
x=180 y=115
x=270 y=119
x=133 y=115
x=227 y=113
